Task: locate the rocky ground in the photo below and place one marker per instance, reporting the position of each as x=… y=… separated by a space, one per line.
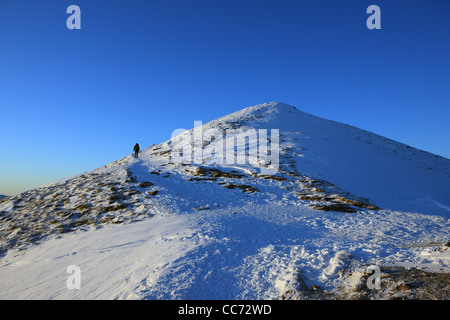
x=358 y=283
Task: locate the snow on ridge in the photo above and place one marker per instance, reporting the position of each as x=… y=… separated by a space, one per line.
x=391 y=174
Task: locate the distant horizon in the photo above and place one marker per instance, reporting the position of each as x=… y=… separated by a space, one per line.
x=74 y=100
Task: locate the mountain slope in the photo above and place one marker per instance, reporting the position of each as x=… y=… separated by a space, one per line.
x=338 y=200
x=391 y=174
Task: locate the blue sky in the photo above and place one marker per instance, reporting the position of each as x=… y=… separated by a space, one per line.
x=74 y=100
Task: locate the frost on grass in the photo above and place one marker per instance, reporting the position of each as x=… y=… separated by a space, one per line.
x=86 y=202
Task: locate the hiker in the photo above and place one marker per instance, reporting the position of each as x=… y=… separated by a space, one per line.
x=136 y=150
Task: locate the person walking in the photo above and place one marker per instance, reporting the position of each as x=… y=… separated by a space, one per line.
x=136 y=150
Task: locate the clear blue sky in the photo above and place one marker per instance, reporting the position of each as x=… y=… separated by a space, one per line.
x=74 y=100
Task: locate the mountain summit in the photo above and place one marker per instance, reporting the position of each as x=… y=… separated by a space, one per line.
x=388 y=173
x=259 y=204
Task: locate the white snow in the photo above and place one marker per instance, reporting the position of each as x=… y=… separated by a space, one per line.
x=112 y=261
x=248 y=252
x=207 y=241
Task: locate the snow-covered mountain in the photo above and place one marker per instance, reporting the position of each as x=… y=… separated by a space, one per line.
x=301 y=209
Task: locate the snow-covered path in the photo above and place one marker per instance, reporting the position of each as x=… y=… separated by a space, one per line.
x=112 y=261
x=250 y=252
